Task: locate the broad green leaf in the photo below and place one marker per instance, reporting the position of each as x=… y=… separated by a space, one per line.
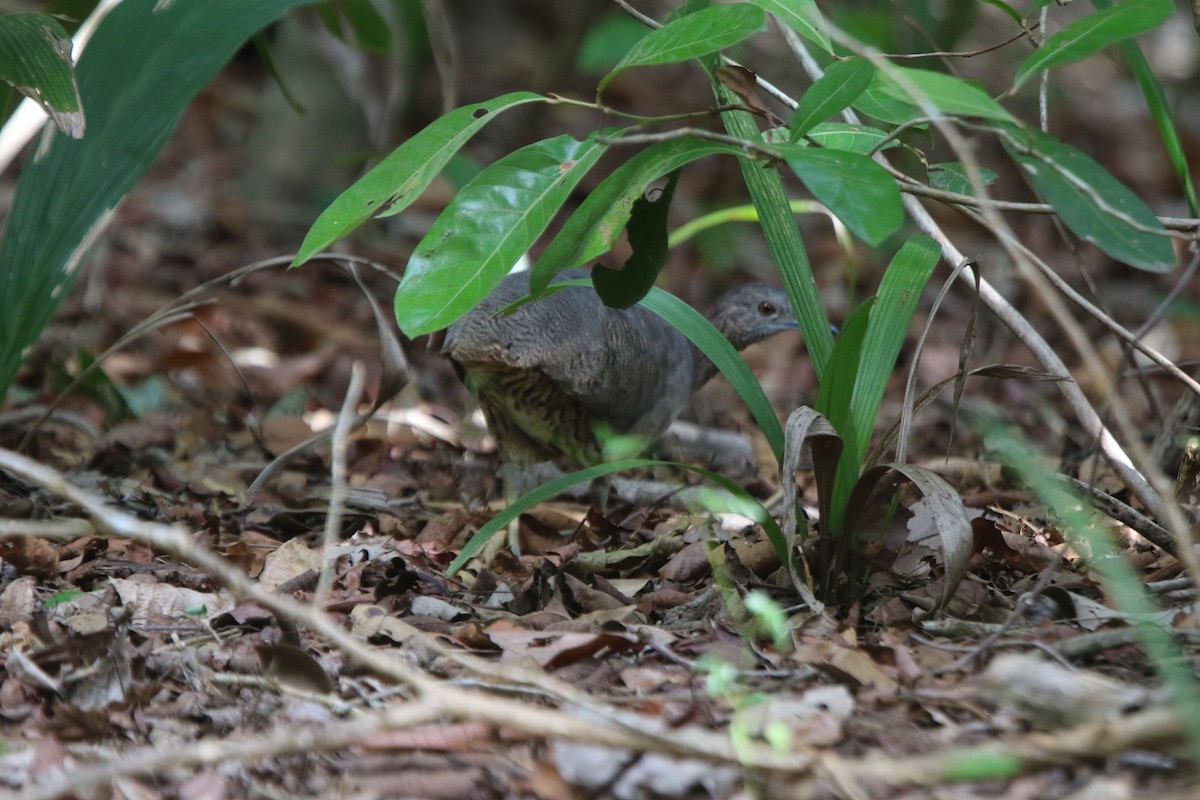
x=1084 y=37
x=802 y=16
x=899 y=292
x=647 y=233
x=856 y=189
x=1092 y=203
x=400 y=178
x=875 y=102
x=950 y=95
x=840 y=86
x=952 y=177
x=600 y=218
x=35 y=57
x=548 y=490
x=486 y=229
x=861 y=139
x=140 y=70
x=698 y=34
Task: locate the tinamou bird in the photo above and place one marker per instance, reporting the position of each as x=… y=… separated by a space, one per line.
x=558 y=369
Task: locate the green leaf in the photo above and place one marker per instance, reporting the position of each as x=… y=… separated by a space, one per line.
x=35 y=57
x=607 y=41
x=1160 y=111
x=783 y=237
x=833 y=401
x=400 y=178
x=877 y=103
x=548 y=490
x=861 y=139
x=486 y=229
x=1013 y=14
x=1092 y=203
x=141 y=69
x=601 y=217
x=368 y=30
x=899 y=292
x=802 y=16
x=698 y=34
x=647 y=232
x=952 y=177
x=840 y=86
x=1084 y=37
x=856 y=189
x=950 y=95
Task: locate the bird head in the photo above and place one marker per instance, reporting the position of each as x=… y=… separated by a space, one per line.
x=751 y=313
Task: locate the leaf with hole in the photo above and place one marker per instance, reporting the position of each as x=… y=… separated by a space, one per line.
x=647 y=231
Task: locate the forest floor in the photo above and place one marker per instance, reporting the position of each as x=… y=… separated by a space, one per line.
x=605 y=660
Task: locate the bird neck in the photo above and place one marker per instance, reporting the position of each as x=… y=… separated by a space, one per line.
x=702 y=369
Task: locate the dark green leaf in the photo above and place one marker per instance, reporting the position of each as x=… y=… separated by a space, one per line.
x=647 y=232
x=486 y=229
x=802 y=16
x=861 y=139
x=840 y=86
x=701 y=33
x=601 y=217
x=1092 y=203
x=1084 y=37
x=858 y=191
x=35 y=57
x=952 y=177
x=400 y=178
x=877 y=103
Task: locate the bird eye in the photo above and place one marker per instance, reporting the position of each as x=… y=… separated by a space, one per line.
x=766 y=308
